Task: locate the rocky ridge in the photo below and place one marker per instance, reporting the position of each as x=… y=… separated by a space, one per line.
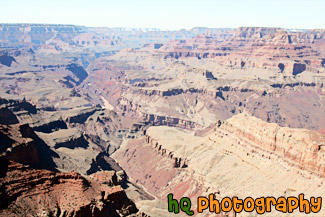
x=225 y=160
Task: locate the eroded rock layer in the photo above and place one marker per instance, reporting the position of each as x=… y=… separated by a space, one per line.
x=26 y=191
x=242 y=156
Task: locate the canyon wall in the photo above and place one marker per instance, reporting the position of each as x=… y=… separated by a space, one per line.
x=232 y=158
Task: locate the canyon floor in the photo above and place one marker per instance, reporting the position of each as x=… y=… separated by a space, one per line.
x=109 y=121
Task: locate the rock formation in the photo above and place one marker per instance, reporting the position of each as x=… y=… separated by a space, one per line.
x=29 y=188
x=229 y=159
x=27 y=191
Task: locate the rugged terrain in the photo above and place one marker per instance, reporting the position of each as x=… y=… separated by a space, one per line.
x=272 y=74
x=31 y=192
x=232 y=158
x=28 y=188
x=235 y=112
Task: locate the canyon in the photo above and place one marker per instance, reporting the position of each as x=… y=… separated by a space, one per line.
x=109 y=121
x=230 y=159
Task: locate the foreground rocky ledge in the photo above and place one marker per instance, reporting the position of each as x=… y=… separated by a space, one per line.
x=32 y=192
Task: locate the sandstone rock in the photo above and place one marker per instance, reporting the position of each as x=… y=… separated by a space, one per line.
x=242 y=156
x=302 y=148
x=26 y=191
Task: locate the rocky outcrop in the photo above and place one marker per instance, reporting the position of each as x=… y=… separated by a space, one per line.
x=78 y=71
x=7 y=117
x=71 y=141
x=51 y=126
x=27 y=191
x=298 y=147
x=18 y=105
x=17 y=144
x=254 y=32
x=80 y=116
x=21 y=144
x=178 y=162
x=153 y=168
x=128 y=108
x=200 y=47
x=7 y=60
x=298 y=68
x=171 y=92
x=209 y=75
x=301 y=84
x=157 y=120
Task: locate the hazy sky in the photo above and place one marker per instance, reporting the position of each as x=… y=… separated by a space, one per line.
x=167 y=14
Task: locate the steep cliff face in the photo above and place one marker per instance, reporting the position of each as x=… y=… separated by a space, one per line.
x=17 y=106
x=78 y=71
x=131 y=109
x=7 y=60
x=277 y=103
x=157 y=120
x=79 y=116
x=228 y=159
x=301 y=148
x=27 y=191
x=200 y=46
x=160 y=171
x=178 y=161
x=18 y=143
x=7 y=117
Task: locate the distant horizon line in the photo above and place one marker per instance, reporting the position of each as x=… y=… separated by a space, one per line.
x=158 y=29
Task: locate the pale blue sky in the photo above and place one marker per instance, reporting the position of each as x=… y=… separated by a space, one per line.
x=167 y=14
